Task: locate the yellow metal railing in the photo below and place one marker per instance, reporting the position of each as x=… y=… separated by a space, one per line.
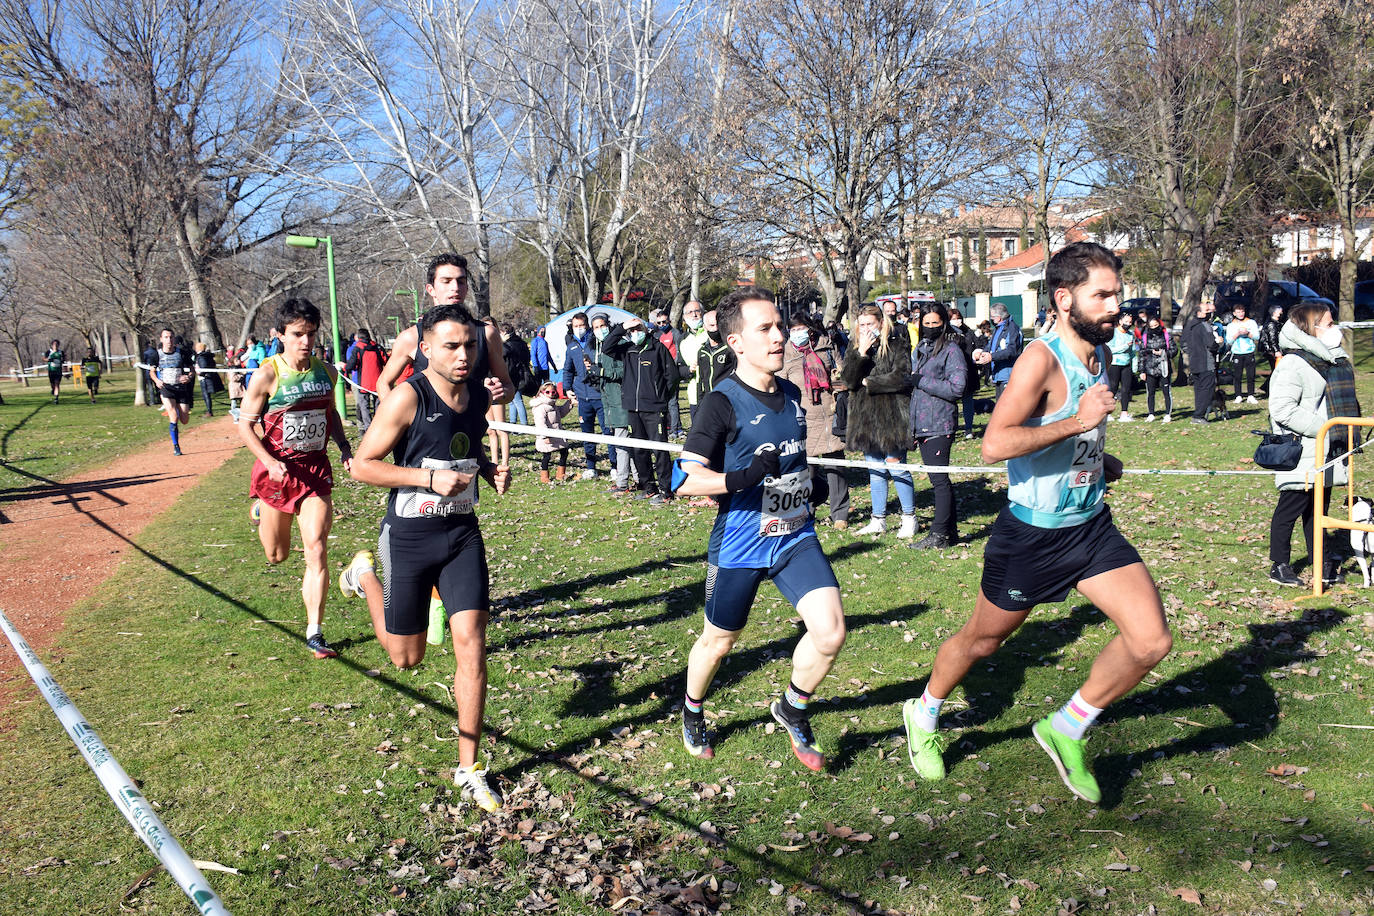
x=1320 y=520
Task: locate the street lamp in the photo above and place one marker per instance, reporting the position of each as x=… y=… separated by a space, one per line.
x=397 y=319
x=310 y=241
x=414 y=297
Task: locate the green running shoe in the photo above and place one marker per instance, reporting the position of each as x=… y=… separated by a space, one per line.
x=922 y=747
x=1067 y=754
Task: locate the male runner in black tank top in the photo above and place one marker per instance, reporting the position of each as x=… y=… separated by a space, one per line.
x=433 y=426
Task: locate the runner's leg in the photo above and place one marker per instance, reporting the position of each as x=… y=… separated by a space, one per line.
x=704 y=660
x=274 y=531
x=315 y=518
x=469 y=679
x=980 y=637
x=1129 y=598
x=823 y=614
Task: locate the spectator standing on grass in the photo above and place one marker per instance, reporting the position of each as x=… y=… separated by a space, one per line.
x=582 y=352
x=1121 y=374
x=650 y=380
x=715 y=360
x=671 y=338
x=1242 y=337
x=606 y=375
x=689 y=352
x=1269 y=337
x=877 y=374
x=365 y=365
x=539 y=355
x=517 y=356
x=809 y=363
x=1313 y=382
x=939 y=379
x=238 y=382
x=209 y=378
x=548 y=413
x=1200 y=342
x=1157 y=351
x=1004 y=346
x=961 y=334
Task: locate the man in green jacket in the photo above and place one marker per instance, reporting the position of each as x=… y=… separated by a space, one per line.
x=607 y=374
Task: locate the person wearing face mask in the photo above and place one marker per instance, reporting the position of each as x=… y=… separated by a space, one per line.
x=715 y=359
x=809 y=362
x=1157 y=352
x=939 y=375
x=689 y=350
x=1120 y=375
x=671 y=338
x=606 y=375
x=961 y=334
x=650 y=380
x=1312 y=382
x=581 y=357
x=1201 y=343
x=1242 y=336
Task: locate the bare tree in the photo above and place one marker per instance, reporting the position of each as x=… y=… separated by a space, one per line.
x=1325 y=58
x=821 y=86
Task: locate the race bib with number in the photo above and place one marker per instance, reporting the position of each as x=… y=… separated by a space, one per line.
x=786 y=503
x=169 y=375
x=420 y=502
x=1088 y=449
x=304 y=430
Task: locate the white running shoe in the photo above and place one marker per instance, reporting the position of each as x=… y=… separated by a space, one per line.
x=1166 y=418
x=877 y=526
x=351 y=577
x=1149 y=418
x=589 y=474
x=1237 y=400
x=907 y=527
x=1125 y=418
x=1251 y=400
x=473 y=781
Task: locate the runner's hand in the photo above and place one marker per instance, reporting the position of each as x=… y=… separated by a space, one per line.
x=1095 y=404
x=1111 y=468
x=500 y=479
x=276 y=471
x=450 y=483
x=494 y=387
x=765 y=464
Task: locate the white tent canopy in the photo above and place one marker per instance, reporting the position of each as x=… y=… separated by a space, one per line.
x=556 y=331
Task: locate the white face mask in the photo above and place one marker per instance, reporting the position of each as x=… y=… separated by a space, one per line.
x=601 y=332
x=1331 y=337
x=694 y=323
x=637 y=337
x=800 y=338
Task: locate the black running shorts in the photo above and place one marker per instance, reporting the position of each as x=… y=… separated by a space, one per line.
x=417 y=559
x=800 y=570
x=1024 y=565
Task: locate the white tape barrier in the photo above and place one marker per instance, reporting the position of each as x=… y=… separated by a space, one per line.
x=628 y=442
x=117 y=783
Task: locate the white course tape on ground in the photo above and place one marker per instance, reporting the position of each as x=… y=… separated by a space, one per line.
x=117 y=783
x=627 y=442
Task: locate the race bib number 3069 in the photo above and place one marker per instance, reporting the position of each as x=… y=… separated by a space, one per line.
x=304 y=430
x=786 y=503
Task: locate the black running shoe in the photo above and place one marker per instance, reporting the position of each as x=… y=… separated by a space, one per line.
x=695 y=737
x=321 y=648
x=176 y=450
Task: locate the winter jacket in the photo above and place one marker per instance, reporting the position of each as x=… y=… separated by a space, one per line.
x=1200 y=343
x=650 y=371
x=967 y=340
x=1122 y=347
x=878 y=411
x=367 y=362
x=689 y=357
x=539 y=355
x=546 y=413
x=606 y=374
x=939 y=387
x=1269 y=338
x=575 y=370
x=1295 y=389
x=714 y=362
x=1157 y=352
x=819 y=404
x=1006 y=344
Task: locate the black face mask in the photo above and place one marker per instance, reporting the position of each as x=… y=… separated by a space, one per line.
x=932 y=333
x=713 y=336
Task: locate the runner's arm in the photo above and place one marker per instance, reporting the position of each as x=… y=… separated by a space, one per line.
x=402 y=355
x=370 y=466
x=250 y=416
x=1008 y=436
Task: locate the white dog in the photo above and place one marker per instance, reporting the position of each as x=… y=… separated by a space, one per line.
x=1362 y=542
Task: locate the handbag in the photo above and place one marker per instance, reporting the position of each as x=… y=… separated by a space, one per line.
x=1280 y=451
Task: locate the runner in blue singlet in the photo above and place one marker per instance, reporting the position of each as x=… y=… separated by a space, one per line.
x=1056 y=532
x=747 y=447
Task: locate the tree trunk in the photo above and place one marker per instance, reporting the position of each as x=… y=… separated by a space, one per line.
x=1345 y=305
x=188 y=243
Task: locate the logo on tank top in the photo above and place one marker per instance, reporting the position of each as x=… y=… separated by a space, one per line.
x=458 y=446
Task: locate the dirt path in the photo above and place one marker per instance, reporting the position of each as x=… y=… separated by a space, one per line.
x=56 y=553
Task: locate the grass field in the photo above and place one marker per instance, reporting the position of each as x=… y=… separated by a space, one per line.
x=42 y=442
x=326 y=784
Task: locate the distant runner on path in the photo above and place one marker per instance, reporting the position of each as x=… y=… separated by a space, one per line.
x=172 y=376
x=292 y=476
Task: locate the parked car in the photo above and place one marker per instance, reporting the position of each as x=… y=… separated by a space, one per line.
x=1283 y=293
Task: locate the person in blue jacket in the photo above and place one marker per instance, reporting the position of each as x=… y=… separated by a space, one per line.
x=582 y=352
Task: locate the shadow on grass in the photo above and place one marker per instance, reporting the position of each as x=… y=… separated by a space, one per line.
x=5 y=439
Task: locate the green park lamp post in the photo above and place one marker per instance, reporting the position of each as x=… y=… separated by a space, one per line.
x=397 y=319
x=310 y=241
x=414 y=298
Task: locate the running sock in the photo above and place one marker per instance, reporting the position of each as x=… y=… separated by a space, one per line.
x=172 y=431
x=794 y=702
x=691 y=707
x=1074 y=717
x=313 y=629
x=928 y=714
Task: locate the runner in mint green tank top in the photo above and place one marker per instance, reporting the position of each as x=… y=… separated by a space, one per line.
x=1056 y=533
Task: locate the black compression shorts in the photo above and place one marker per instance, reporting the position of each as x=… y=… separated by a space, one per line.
x=416 y=559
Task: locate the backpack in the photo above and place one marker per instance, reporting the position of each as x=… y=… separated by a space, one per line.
x=521 y=375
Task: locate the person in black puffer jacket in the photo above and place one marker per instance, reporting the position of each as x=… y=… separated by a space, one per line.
x=878 y=376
